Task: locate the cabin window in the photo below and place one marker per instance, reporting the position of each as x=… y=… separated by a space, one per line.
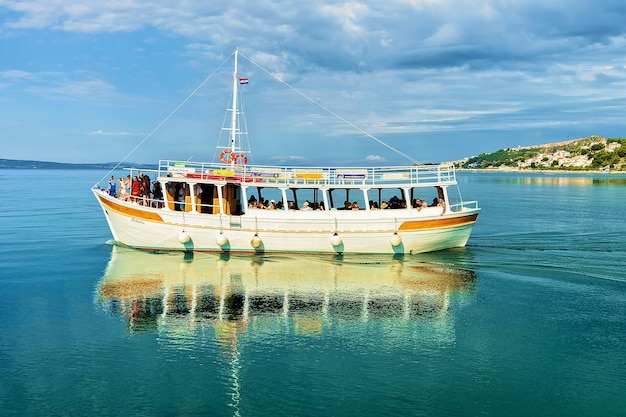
x=178 y=196
x=232 y=199
x=263 y=196
x=206 y=198
x=345 y=198
x=296 y=197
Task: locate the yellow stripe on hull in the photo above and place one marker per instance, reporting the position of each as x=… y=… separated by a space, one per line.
x=130 y=211
x=438 y=223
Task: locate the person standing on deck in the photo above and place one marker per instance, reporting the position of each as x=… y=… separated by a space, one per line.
x=111 y=187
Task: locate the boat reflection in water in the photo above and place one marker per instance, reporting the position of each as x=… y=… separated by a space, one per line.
x=176 y=295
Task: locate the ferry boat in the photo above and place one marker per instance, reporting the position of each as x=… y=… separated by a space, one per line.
x=230 y=205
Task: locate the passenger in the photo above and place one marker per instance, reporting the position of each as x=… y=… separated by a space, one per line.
x=157 y=194
x=272 y=205
x=306 y=206
x=435 y=202
x=145 y=189
x=394 y=202
x=252 y=202
x=420 y=204
x=346 y=205
x=200 y=207
x=384 y=205
x=354 y=206
x=321 y=206
x=180 y=197
x=135 y=190
x=403 y=204
x=373 y=205
x=127 y=184
x=111 y=186
x=122 y=188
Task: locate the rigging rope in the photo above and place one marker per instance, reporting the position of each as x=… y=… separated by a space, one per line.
x=369 y=135
x=164 y=120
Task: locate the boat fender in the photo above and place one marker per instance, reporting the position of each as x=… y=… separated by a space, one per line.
x=395 y=240
x=229 y=159
x=335 y=240
x=184 y=237
x=241 y=159
x=221 y=239
x=256 y=242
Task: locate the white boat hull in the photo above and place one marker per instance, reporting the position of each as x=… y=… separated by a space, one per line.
x=264 y=231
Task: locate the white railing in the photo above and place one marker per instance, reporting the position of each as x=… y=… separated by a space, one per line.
x=443 y=174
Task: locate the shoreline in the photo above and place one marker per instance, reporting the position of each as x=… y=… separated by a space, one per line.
x=541 y=171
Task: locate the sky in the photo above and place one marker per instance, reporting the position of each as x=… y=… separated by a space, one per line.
x=437 y=80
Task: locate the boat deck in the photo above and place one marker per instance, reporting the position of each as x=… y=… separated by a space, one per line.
x=418 y=175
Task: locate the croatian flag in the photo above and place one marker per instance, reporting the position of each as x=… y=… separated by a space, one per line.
x=243 y=81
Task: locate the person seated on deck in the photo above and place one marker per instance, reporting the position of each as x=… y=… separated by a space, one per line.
x=394 y=202
x=306 y=206
x=373 y=205
x=252 y=202
x=384 y=205
x=271 y=205
x=320 y=206
x=419 y=204
x=354 y=206
x=346 y=206
x=435 y=202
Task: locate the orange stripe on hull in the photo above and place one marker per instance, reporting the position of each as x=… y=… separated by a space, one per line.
x=140 y=214
x=438 y=223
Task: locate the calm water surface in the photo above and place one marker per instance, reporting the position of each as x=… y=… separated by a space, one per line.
x=529 y=319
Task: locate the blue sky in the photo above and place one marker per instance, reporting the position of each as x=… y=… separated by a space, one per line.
x=439 y=80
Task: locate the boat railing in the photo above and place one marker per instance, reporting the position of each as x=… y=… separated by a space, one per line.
x=464 y=205
x=442 y=174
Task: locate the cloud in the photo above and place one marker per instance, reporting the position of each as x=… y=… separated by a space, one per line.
x=374 y=158
x=401 y=70
x=71 y=89
x=105 y=133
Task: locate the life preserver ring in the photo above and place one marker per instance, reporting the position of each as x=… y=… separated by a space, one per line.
x=241 y=159
x=231 y=157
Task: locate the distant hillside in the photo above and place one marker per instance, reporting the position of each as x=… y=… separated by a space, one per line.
x=590 y=153
x=19 y=164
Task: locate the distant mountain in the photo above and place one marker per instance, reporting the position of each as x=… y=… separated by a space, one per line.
x=590 y=153
x=21 y=164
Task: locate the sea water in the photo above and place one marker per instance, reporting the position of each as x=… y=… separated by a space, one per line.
x=529 y=319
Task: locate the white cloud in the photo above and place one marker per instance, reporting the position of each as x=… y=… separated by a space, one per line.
x=105 y=133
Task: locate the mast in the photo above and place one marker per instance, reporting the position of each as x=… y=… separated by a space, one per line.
x=233 y=119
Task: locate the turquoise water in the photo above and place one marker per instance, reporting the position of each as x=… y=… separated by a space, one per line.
x=529 y=319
